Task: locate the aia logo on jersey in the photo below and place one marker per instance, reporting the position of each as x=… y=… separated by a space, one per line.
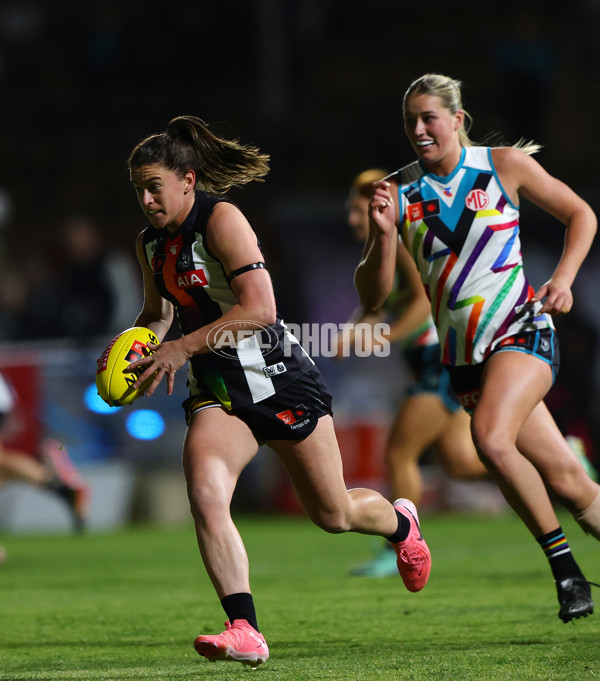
x=191 y=279
x=423 y=209
x=291 y=416
x=477 y=199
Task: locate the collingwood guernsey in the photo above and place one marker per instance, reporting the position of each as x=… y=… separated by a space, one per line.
x=188 y=276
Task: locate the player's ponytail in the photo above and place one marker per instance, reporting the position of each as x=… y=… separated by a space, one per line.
x=188 y=144
x=527 y=146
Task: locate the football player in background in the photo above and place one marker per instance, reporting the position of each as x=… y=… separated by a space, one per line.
x=51 y=469
x=430 y=413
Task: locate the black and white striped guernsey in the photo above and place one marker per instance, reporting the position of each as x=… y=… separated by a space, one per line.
x=194 y=281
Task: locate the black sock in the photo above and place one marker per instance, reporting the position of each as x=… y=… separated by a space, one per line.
x=56 y=485
x=558 y=553
x=240 y=607
x=403 y=529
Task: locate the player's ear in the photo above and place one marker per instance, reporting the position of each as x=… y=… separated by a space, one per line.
x=189 y=181
x=459 y=119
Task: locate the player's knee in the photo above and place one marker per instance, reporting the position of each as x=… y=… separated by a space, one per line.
x=206 y=502
x=492 y=442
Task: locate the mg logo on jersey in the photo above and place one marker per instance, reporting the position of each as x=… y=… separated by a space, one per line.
x=190 y=279
x=477 y=199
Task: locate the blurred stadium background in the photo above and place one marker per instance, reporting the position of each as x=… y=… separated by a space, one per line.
x=318 y=85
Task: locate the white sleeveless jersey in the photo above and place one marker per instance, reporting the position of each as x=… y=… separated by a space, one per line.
x=463 y=233
x=395 y=305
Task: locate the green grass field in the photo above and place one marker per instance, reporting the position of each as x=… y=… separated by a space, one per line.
x=128 y=605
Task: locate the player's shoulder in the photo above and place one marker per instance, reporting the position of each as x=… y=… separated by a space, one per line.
x=227 y=226
x=223 y=209
x=147 y=236
x=507 y=158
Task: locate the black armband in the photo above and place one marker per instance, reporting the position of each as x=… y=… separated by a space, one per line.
x=246 y=268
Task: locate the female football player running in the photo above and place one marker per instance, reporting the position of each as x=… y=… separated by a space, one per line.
x=200 y=257
x=457 y=209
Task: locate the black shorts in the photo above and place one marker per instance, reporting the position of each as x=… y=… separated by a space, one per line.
x=466 y=380
x=289 y=414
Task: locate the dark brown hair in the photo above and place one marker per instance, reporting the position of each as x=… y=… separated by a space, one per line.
x=188 y=144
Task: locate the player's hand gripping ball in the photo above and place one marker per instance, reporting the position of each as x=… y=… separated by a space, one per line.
x=114 y=386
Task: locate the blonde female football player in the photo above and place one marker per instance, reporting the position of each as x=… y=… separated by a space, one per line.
x=430 y=413
x=200 y=257
x=457 y=208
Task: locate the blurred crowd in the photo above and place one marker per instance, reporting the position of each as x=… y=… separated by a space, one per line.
x=317 y=84
x=78 y=289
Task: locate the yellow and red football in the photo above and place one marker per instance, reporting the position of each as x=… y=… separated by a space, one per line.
x=114 y=386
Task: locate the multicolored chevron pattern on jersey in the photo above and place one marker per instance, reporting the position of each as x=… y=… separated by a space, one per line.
x=463 y=232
